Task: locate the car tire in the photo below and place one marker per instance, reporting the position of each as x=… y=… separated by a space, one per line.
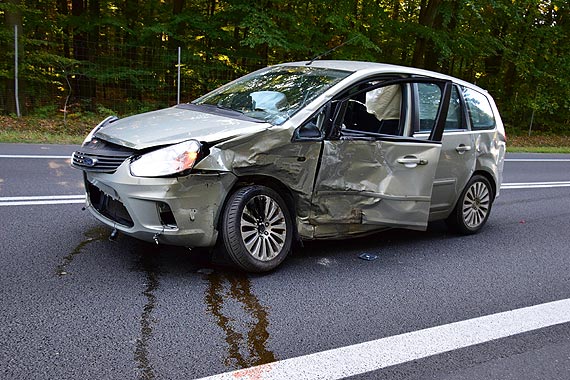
x=473 y=206
x=257 y=230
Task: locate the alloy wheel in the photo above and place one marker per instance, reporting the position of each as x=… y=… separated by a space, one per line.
x=476 y=204
x=263 y=228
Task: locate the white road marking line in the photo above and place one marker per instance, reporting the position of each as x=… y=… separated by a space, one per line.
x=42 y=197
x=534 y=185
x=35 y=156
x=69 y=199
x=538 y=159
x=381 y=353
x=41 y=203
x=69 y=157
x=42 y=200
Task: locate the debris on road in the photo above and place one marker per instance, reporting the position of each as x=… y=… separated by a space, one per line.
x=368 y=256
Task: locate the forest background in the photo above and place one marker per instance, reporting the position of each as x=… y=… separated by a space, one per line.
x=81 y=58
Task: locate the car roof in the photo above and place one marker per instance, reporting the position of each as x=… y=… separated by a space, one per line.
x=379 y=68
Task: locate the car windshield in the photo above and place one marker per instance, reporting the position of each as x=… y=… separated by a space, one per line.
x=274 y=94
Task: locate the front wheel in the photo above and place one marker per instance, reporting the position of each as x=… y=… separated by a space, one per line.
x=473 y=206
x=256 y=228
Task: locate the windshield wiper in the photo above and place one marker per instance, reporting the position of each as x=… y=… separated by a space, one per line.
x=219 y=109
x=218 y=106
x=226 y=108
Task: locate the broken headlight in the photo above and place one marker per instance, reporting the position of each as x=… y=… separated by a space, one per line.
x=167 y=161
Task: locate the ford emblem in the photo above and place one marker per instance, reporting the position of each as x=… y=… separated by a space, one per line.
x=88 y=161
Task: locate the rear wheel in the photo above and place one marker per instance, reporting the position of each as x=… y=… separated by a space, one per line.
x=256 y=228
x=473 y=206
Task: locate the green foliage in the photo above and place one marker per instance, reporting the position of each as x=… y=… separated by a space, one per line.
x=122 y=55
x=46 y=112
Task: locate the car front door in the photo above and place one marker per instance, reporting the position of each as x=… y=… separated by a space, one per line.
x=372 y=170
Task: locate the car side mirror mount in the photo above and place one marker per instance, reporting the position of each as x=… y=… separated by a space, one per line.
x=308 y=131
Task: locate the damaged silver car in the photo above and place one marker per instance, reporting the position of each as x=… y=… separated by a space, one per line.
x=299 y=151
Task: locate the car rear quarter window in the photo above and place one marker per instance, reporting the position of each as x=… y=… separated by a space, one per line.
x=479 y=108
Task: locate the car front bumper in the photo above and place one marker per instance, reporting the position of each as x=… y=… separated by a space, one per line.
x=180 y=211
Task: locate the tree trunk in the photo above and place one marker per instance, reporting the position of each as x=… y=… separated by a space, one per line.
x=396 y=10
x=428 y=13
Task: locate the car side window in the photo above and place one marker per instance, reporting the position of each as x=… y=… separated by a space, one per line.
x=377 y=111
x=454 y=119
x=480 y=111
x=429 y=98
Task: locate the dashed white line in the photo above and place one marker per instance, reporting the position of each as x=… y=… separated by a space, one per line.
x=385 y=352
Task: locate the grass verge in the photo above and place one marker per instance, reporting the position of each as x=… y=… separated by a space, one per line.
x=538 y=144
x=38 y=137
x=47 y=130
x=73 y=130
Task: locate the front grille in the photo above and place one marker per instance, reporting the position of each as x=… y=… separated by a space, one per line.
x=100 y=156
x=97 y=163
x=107 y=206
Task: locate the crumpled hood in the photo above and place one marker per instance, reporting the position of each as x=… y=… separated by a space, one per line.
x=173 y=125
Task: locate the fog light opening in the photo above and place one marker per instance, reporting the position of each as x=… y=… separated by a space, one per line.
x=166 y=216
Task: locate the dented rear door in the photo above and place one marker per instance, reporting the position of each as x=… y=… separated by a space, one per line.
x=372 y=178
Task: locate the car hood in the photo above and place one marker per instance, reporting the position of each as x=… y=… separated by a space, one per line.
x=177 y=124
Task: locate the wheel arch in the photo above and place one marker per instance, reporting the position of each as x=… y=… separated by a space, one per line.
x=490 y=178
x=456 y=219
x=484 y=173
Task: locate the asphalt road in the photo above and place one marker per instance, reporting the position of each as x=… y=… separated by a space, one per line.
x=75 y=305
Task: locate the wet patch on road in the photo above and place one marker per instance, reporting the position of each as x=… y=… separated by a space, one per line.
x=92 y=235
x=243 y=319
x=148 y=266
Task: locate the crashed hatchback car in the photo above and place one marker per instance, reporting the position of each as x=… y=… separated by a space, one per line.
x=299 y=151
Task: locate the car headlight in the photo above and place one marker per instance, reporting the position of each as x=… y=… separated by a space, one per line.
x=167 y=161
x=107 y=120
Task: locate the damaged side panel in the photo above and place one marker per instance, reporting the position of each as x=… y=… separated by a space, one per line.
x=490 y=151
x=361 y=185
x=384 y=183
x=272 y=155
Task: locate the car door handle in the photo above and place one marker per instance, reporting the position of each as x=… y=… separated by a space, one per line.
x=462 y=148
x=411 y=161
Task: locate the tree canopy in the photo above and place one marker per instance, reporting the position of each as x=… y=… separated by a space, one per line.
x=122 y=54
